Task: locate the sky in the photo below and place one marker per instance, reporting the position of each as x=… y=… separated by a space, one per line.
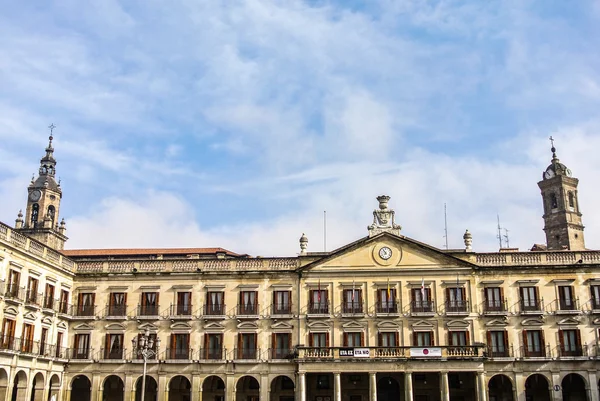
x=238 y=124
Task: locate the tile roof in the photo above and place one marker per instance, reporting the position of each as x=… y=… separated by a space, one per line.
x=145 y=252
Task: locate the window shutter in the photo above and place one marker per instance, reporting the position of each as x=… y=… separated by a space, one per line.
x=106 y=344
x=326 y=297
x=415 y=340
x=467 y=338
x=327 y=339
x=525 y=344
x=310 y=340
x=578 y=338
x=542 y=340
x=274 y=341
x=360 y=298
x=157 y=303
x=463 y=294
x=380 y=340
x=93 y=298
x=561 y=340
x=449 y=338
x=413 y=294
x=505 y=340
x=448 y=296
x=345 y=339
x=489 y=338
x=125 y=299
x=501 y=296
x=428 y=293
x=289 y=341
x=378 y=296
x=255 y=297
x=362 y=339
x=397 y=338
x=206 y=345
x=431 y=339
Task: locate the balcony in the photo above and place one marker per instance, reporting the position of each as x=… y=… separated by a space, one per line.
x=245 y=353
x=149 y=312
x=390 y=353
x=63 y=307
x=110 y=354
x=542 y=351
x=247 y=310
x=352 y=309
x=457 y=307
x=83 y=312
x=211 y=354
x=33 y=299
x=499 y=352
x=48 y=303
x=180 y=312
x=281 y=309
x=495 y=307
x=281 y=353
x=214 y=311
x=179 y=354
x=566 y=306
x=572 y=351
x=316 y=309
x=531 y=306
x=386 y=308
x=79 y=354
x=14 y=293
x=116 y=312
x=422 y=308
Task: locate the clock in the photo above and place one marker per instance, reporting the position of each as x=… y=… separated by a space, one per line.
x=385 y=253
x=568 y=172
x=35 y=195
x=549 y=174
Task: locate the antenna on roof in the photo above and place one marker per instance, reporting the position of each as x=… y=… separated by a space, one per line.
x=499 y=236
x=445 y=225
x=506 y=237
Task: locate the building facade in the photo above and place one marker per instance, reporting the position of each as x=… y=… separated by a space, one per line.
x=383 y=318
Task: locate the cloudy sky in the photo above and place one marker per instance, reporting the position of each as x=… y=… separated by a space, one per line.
x=237 y=123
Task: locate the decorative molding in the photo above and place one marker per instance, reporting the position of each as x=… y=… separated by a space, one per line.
x=11 y=310
x=352 y=325
x=533 y=322
x=83 y=327
x=497 y=323
x=114 y=327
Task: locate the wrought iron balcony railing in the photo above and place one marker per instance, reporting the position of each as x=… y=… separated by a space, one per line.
x=531 y=305
x=214 y=310
x=247 y=309
x=181 y=310
x=492 y=306
x=245 y=353
x=116 y=311
x=457 y=306
x=352 y=308
x=384 y=308
x=422 y=307
x=148 y=311
x=113 y=353
x=211 y=354
x=284 y=308
x=318 y=308
x=179 y=353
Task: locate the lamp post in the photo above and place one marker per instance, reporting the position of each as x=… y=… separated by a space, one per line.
x=145 y=349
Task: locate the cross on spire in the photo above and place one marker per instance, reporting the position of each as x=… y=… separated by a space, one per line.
x=552 y=140
x=51 y=126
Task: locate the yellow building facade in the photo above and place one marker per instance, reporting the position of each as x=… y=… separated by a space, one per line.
x=383 y=318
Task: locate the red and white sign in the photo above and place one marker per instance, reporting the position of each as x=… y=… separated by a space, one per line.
x=426 y=352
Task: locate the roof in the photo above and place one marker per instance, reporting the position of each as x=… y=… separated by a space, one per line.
x=146 y=252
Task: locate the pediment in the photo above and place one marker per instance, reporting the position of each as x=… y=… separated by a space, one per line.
x=352 y=325
x=47 y=320
x=147 y=326
x=533 y=322
x=114 y=327
x=318 y=326
x=596 y=320
x=180 y=326
x=214 y=327
x=568 y=321
x=458 y=324
x=281 y=326
x=11 y=310
x=62 y=325
x=30 y=316
x=247 y=326
x=422 y=324
x=83 y=327
x=388 y=325
x=403 y=253
x=497 y=323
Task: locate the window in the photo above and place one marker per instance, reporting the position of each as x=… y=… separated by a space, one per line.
x=282 y=345
x=571 y=201
x=35 y=212
x=456 y=299
x=117 y=304
x=27 y=338
x=14 y=280
x=421 y=300
x=533 y=343
x=458 y=338
x=386 y=300
x=32 y=291
x=86 y=304
x=149 y=306
x=354 y=339
x=213 y=346
x=8 y=333
x=214 y=303
x=49 y=297
x=595 y=292
x=497 y=343
x=246 y=346
x=570 y=342
x=64 y=301
x=59 y=350
x=318 y=340
x=529 y=299
x=180 y=346
x=113 y=348
x=553 y=201
x=494 y=299
x=248 y=303
x=423 y=338
x=566 y=300
x=319 y=304
x=81 y=346
x=388 y=339
x=184 y=304
x=281 y=302
x=352 y=302
x=51 y=215
x=43 y=341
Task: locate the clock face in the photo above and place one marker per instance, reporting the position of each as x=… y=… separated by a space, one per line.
x=548 y=174
x=568 y=172
x=35 y=195
x=385 y=253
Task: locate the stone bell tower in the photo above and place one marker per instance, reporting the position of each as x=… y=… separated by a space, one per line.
x=562 y=216
x=43 y=204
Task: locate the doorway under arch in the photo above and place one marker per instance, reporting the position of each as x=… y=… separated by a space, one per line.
x=248 y=388
x=282 y=389
x=113 y=389
x=3 y=384
x=151 y=393
x=537 y=388
x=388 y=389
x=81 y=388
x=574 y=388
x=501 y=388
x=53 y=387
x=37 y=387
x=19 y=386
x=180 y=389
x=213 y=388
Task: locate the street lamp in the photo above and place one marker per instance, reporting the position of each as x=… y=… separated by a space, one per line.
x=145 y=349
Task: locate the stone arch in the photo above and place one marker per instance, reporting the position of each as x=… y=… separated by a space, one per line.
x=3 y=383
x=501 y=387
x=19 y=388
x=81 y=388
x=151 y=393
x=574 y=387
x=53 y=386
x=247 y=386
x=180 y=388
x=282 y=386
x=212 y=387
x=537 y=387
x=113 y=388
x=388 y=388
x=37 y=387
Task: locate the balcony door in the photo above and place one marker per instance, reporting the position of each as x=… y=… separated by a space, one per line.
x=281 y=302
x=494 y=299
x=529 y=298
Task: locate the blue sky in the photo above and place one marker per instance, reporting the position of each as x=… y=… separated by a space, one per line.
x=238 y=123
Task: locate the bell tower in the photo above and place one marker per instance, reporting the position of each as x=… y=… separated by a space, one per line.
x=562 y=216
x=43 y=204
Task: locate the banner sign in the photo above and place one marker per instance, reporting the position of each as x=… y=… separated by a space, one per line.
x=426 y=352
x=355 y=352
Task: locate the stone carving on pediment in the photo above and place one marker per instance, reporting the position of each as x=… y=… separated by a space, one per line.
x=384 y=218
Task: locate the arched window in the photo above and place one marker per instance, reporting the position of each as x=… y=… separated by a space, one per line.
x=571 y=200
x=553 y=201
x=35 y=211
x=51 y=213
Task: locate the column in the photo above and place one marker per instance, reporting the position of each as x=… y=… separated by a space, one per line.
x=519 y=387
x=337 y=387
x=128 y=389
x=593 y=384
x=264 y=388
x=96 y=388
x=162 y=388
x=67 y=395
x=444 y=388
x=196 y=390
x=373 y=386
x=230 y=388
x=301 y=386
x=408 y=386
x=556 y=395
x=481 y=387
